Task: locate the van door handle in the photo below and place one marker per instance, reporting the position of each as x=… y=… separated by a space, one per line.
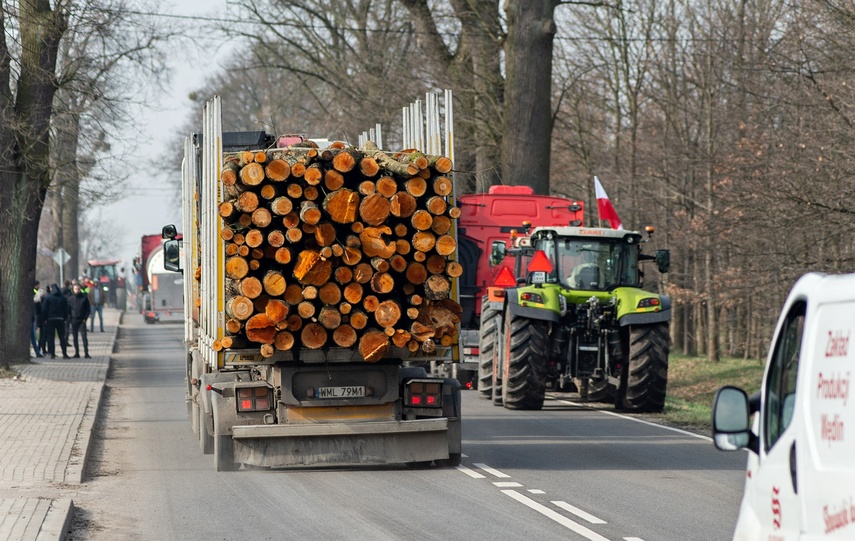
x=793 y=468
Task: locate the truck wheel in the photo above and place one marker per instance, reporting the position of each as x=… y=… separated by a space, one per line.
x=600 y=391
x=647 y=374
x=206 y=441
x=524 y=365
x=452 y=461
x=488 y=350
x=498 y=363
x=122 y=299
x=224 y=453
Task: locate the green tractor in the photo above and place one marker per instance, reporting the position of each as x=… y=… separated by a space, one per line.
x=582 y=318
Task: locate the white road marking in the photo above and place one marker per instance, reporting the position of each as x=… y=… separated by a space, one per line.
x=507 y=484
x=536 y=491
x=579 y=513
x=471 y=473
x=642 y=421
x=491 y=471
x=557 y=517
x=633 y=539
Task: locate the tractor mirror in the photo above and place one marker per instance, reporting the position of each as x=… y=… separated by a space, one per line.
x=172 y=256
x=168 y=232
x=663 y=260
x=497 y=254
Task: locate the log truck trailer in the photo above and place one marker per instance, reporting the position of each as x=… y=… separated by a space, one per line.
x=300 y=406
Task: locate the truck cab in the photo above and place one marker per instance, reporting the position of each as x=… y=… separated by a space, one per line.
x=800 y=479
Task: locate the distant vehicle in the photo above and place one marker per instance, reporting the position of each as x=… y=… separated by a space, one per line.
x=800 y=481
x=110 y=279
x=161 y=291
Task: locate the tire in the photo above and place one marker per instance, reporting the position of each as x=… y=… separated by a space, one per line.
x=195 y=419
x=206 y=441
x=488 y=351
x=224 y=453
x=122 y=299
x=647 y=374
x=498 y=363
x=524 y=366
x=452 y=461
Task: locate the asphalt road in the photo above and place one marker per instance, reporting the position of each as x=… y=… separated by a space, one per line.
x=567 y=472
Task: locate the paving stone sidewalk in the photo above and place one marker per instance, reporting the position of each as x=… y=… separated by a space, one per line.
x=47 y=415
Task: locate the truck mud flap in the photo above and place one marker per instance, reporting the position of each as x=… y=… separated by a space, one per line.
x=342 y=444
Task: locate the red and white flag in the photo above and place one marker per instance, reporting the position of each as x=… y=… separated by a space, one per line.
x=605 y=210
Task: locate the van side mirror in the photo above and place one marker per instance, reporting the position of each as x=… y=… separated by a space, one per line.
x=731 y=420
x=497 y=253
x=663 y=260
x=172 y=256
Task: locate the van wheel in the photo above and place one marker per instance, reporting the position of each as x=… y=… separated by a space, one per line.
x=647 y=373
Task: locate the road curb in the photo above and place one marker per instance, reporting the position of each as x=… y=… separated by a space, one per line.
x=57 y=522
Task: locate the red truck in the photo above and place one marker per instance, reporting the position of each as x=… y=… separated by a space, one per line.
x=489 y=217
x=160 y=292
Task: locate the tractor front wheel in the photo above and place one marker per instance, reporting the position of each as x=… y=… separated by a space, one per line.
x=525 y=361
x=488 y=351
x=647 y=373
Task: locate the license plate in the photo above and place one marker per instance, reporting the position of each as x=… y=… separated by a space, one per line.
x=348 y=391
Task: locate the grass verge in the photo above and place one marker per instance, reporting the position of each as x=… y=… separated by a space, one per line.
x=693 y=382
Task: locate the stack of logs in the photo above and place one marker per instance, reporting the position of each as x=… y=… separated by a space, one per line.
x=339 y=247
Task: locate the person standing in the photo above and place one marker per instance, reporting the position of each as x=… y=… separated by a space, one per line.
x=67 y=293
x=96 y=301
x=37 y=306
x=78 y=309
x=55 y=313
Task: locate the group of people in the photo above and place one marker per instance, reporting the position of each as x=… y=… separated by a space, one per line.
x=62 y=312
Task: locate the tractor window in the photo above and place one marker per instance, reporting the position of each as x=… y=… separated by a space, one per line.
x=597 y=264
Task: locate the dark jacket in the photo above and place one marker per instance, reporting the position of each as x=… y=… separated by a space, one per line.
x=54 y=305
x=78 y=306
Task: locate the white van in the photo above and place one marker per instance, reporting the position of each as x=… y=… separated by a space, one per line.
x=800 y=480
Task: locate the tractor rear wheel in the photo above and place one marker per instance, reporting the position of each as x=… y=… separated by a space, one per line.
x=525 y=360
x=647 y=373
x=488 y=351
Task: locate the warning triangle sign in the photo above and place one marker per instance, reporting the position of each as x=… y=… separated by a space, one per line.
x=505 y=278
x=540 y=263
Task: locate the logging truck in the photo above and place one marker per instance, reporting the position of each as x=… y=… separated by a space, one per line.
x=315 y=279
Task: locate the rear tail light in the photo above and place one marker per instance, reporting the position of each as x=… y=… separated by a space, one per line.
x=423 y=394
x=253 y=399
x=471 y=351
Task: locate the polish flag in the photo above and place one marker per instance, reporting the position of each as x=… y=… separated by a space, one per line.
x=605 y=210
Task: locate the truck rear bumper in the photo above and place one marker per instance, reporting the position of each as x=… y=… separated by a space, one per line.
x=345 y=444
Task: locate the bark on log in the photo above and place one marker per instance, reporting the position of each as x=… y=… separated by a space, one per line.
x=369 y=148
x=440 y=164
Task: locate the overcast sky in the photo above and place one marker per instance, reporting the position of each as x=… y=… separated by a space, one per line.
x=151 y=202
